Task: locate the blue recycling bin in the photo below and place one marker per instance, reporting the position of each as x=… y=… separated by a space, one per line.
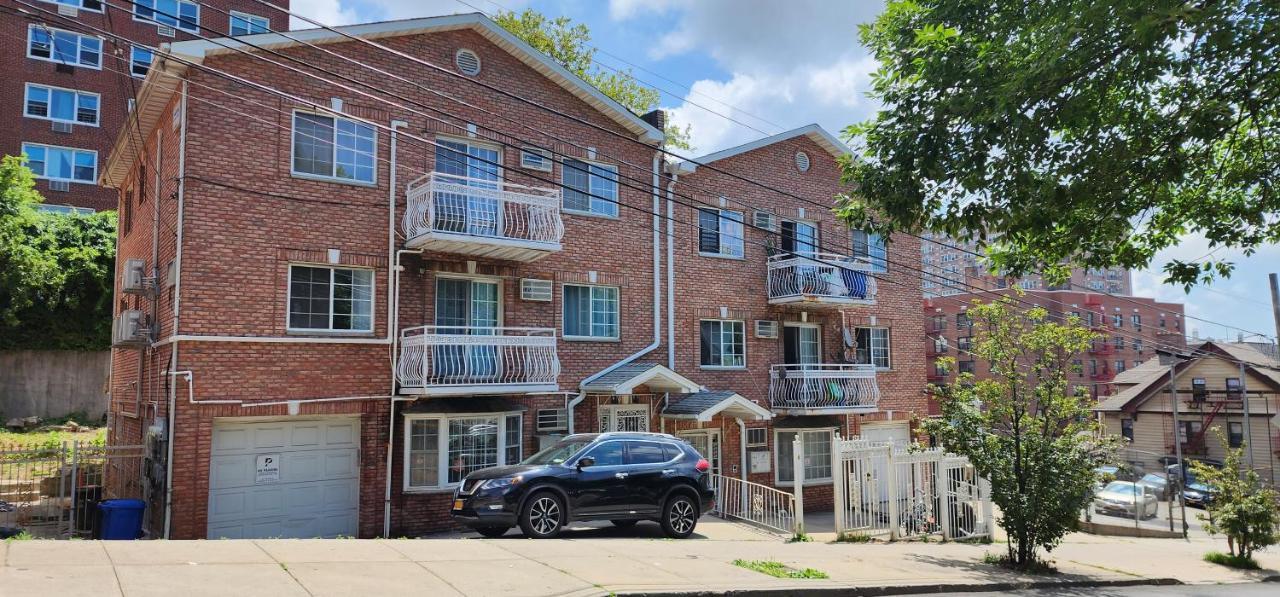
x=122 y=519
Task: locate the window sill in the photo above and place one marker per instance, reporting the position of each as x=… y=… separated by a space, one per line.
x=588 y=339
x=334 y=179
x=722 y=368
x=722 y=256
x=588 y=214
x=331 y=333
x=428 y=490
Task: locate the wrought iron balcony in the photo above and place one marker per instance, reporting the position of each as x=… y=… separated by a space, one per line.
x=483 y=218
x=455 y=361
x=823 y=389
x=820 y=280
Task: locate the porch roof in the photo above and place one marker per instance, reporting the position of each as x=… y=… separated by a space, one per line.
x=625 y=379
x=704 y=406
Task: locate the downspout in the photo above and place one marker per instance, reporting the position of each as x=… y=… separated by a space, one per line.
x=742 y=447
x=657 y=295
x=177 y=300
x=393 y=320
x=671 y=275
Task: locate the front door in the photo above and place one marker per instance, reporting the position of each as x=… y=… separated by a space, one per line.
x=629 y=417
x=707 y=443
x=466 y=307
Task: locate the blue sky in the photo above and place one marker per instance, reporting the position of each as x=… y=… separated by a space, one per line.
x=736 y=70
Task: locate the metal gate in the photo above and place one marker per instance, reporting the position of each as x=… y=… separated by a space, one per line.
x=52 y=491
x=887 y=489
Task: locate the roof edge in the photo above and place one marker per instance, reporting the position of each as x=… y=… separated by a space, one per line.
x=819 y=135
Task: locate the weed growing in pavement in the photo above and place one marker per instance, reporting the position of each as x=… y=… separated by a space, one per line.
x=779 y=570
x=1225 y=559
x=22 y=536
x=1037 y=566
x=853 y=538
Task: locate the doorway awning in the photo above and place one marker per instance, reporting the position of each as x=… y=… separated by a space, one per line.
x=703 y=406
x=625 y=379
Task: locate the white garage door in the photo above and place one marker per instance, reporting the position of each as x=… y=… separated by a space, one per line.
x=294 y=478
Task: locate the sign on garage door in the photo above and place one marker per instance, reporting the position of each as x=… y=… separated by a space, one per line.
x=291 y=478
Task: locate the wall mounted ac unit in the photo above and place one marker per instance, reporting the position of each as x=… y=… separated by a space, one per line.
x=59 y=185
x=61 y=127
x=131 y=329
x=68 y=11
x=133 y=279
x=766 y=220
x=766 y=328
x=532 y=289
x=165 y=31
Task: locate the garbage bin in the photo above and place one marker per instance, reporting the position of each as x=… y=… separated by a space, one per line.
x=122 y=519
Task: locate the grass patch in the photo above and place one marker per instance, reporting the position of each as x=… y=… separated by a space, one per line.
x=853 y=538
x=799 y=538
x=1033 y=567
x=779 y=570
x=1226 y=559
x=45 y=440
x=23 y=536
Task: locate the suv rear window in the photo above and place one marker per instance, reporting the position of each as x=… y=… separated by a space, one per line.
x=645 y=453
x=670 y=451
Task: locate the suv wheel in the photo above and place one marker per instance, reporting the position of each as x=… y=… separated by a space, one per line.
x=542 y=516
x=493 y=532
x=679 y=517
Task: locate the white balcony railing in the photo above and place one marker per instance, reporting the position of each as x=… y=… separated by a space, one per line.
x=443 y=360
x=820 y=279
x=823 y=388
x=482 y=217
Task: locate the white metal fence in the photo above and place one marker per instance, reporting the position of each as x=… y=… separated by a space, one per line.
x=52 y=491
x=766 y=506
x=444 y=356
x=813 y=388
x=444 y=203
x=826 y=277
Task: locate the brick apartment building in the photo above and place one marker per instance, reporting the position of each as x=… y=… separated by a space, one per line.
x=952 y=267
x=68 y=89
x=339 y=320
x=1131 y=329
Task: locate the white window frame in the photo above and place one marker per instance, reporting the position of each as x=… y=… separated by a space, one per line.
x=177 y=24
x=879 y=262
x=53 y=31
x=764 y=431
x=293 y=142
x=75 y=150
x=614 y=206
x=133 y=60
x=251 y=20
x=543 y=156
x=564 y=325
x=888 y=345
x=722 y=253
x=75 y=110
x=373 y=300
x=742 y=325
x=777 y=459
x=442 y=447
x=77 y=4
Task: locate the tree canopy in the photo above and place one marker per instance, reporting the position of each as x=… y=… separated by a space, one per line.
x=55 y=270
x=1074 y=132
x=568 y=43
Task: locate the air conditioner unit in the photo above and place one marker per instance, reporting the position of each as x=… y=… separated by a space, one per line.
x=131 y=329
x=765 y=220
x=59 y=185
x=133 y=278
x=68 y=11
x=552 y=419
x=532 y=289
x=766 y=328
x=59 y=126
x=165 y=31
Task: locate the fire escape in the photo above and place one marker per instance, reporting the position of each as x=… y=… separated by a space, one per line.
x=1203 y=408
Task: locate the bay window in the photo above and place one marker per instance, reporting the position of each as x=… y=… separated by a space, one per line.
x=442 y=450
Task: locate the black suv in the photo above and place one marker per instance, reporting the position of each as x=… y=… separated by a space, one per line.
x=620 y=477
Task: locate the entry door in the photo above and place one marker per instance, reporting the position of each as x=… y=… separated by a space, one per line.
x=469 y=308
x=632 y=417
x=476 y=212
x=707 y=443
x=897 y=434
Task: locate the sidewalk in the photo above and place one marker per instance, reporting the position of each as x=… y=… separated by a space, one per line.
x=591 y=562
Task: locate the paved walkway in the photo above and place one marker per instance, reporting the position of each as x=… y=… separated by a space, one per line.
x=589 y=561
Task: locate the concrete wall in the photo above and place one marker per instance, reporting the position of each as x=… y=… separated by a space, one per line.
x=53 y=383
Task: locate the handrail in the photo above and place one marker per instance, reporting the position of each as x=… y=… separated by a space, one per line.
x=451 y=356
x=826 y=386
x=753 y=502
x=820 y=275
x=438 y=203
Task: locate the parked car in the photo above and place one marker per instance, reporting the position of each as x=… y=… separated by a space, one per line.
x=1158 y=482
x=1127 y=498
x=1195 y=492
x=624 y=478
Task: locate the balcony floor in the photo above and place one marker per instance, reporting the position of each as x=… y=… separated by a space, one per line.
x=813 y=301
x=479 y=388
x=830 y=410
x=482 y=246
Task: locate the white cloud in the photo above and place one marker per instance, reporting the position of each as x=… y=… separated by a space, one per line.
x=621 y=10
x=344 y=12
x=327 y=12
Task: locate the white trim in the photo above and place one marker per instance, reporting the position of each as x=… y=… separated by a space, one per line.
x=46 y=146
x=26 y=92
x=720 y=235
x=564 y=186
x=590 y=312
x=176 y=17
x=744 y=346
x=442 y=446
x=135 y=48
x=496 y=281
x=373 y=300
x=819 y=135
x=51 y=30
x=293 y=141
x=79 y=5
x=761 y=413
x=807 y=481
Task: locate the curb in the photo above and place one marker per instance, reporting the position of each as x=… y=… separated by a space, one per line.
x=874 y=591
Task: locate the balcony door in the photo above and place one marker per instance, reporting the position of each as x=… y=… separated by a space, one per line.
x=799 y=237
x=475 y=212
x=466 y=307
x=801 y=345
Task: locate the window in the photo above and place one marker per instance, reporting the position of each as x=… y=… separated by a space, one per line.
x=720 y=232
x=645 y=453
x=332 y=147
x=1137 y=345
x=816 y=446
x=1137 y=363
x=871 y=247
x=247 y=24
x=61 y=105
x=93 y=5
x=799 y=237
x=963 y=321
x=64 y=209
x=939 y=323
x=964 y=343
x=1126 y=429
x=61 y=163
x=1093 y=366
x=607 y=454
x=1119 y=366
x=140 y=61
x=1077 y=365
x=1233 y=385
x=590 y=312
x=67 y=47
x=1235 y=434
x=174 y=13
x=1117 y=320
x=1189 y=430
x=966 y=367
x=330 y=299
x=939 y=369
x=1118 y=342
x=723 y=344
x=590 y=188
x=440 y=451
x=757 y=437
x=535 y=159
x=1136 y=320
x=872 y=347
x=940 y=344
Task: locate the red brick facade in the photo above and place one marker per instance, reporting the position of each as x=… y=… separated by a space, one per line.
x=112 y=82
x=238 y=243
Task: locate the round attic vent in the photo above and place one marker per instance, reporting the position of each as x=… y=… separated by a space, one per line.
x=802 y=161
x=468 y=62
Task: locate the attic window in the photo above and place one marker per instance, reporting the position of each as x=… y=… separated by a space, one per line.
x=468 y=62
x=802 y=161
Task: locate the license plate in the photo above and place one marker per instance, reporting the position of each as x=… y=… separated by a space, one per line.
x=457 y=504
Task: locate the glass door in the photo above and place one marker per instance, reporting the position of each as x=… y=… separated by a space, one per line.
x=477 y=212
x=801 y=345
x=467 y=308
x=707 y=443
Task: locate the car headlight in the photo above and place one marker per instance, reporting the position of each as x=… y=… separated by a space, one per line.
x=501 y=482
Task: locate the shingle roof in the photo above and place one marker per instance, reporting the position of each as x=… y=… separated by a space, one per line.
x=696 y=403
x=623 y=379
x=1141 y=372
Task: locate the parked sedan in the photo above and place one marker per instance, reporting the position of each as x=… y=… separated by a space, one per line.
x=1158 y=483
x=1195 y=493
x=1127 y=498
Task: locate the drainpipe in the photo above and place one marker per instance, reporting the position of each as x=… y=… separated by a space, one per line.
x=742 y=446
x=177 y=300
x=393 y=322
x=657 y=295
x=671 y=275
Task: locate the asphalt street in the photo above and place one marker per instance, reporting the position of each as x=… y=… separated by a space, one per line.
x=1269 y=589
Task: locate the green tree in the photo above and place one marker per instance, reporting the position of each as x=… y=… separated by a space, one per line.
x=55 y=270
x=1242 y=508
x=1074 y=132
x=1022 y=428
x=568 y=43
